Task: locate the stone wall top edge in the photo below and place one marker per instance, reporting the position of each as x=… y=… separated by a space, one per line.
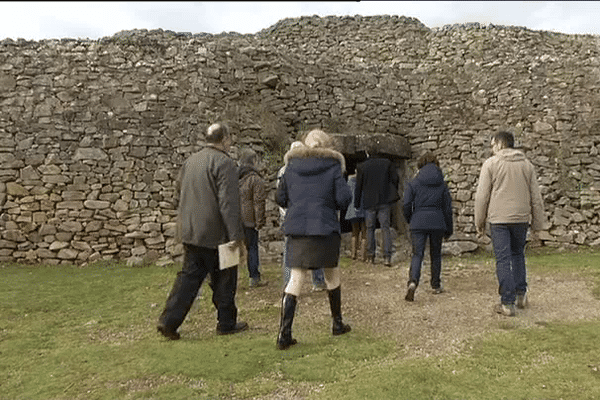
x=280 y=25
x=131 y=34
x=489 y=26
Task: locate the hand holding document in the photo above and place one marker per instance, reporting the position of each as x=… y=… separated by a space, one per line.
x=231 y=254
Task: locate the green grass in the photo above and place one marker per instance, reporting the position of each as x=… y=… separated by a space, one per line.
x=89 y=333
x=556 y=362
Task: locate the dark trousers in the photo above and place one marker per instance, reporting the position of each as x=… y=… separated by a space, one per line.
x=252 y=247
x=509 y=242
x=198 y=262
x=419 y=241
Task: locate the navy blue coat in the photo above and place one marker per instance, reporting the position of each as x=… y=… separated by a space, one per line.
x=312 y=189
x=427 y=201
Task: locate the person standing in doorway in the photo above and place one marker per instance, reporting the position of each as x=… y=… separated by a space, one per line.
x=253 y=198
x=508 y=197
x=209 y=215
x=356 y=218
x=376 y=191
x=428 y=211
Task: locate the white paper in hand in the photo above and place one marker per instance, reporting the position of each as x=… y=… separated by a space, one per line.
x=229 y=255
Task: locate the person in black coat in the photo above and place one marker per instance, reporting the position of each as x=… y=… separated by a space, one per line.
x=428 y=210
x=312 y=189
x=376 y=191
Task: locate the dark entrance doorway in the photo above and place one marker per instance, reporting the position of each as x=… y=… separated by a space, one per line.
x=395 y=148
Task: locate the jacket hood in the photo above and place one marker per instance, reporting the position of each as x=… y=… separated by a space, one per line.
x=510 y=155
x=246 y=170
x=430 y=175
x=325 y=158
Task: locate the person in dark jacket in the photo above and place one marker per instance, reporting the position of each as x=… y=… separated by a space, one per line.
x=428 y=210
x=376 y=191
x=318 y=280
x=312 y=189
x=209 y=215
x=252 y=197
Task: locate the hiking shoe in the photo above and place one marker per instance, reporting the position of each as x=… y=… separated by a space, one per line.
x=522 y=300
x=168 y=333
x=438 y=290
x=257 y=282
x=239 y=327
x=387 y=262
x=410 y=293
x=319 y=287
x=507 y=310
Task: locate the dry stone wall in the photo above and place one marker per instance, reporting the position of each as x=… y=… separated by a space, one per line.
x=92 y=133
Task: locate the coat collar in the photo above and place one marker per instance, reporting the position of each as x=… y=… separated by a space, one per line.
x=318 y=152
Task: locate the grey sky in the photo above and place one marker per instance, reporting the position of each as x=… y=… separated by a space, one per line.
x=93 y=20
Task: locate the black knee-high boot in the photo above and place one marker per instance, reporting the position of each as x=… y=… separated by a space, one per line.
x=335 y=301
x=288 y=308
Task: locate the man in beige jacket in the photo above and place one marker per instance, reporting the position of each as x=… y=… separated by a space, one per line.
x=508 y=197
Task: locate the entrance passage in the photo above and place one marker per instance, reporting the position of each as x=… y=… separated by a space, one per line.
x=395 y=148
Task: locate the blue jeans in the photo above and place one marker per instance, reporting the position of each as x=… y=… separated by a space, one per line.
x=252 y=247
x=317 y=274
x=419 y=241
x=509 y=242
x=382 y=214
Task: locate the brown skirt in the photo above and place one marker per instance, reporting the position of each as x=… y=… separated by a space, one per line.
x=313 y=252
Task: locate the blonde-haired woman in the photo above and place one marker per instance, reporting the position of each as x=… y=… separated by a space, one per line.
x=312 y=189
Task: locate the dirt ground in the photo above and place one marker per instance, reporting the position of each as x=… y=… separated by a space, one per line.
x=438 y=324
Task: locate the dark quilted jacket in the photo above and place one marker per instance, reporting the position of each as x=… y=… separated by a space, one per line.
x=313 y=189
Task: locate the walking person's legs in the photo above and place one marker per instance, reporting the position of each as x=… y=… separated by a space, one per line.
x=185 y=288
x=501 y=238
x=435 y=251
x=318 y=280
x=419 y=240
x=224 y=286
x=355 y=241
x=383 y=215
x=370 y=218
x=333 y=281
x=363 y=240
x=253 y=260
x=285 y=263
x=519 y=268
x=289 y=301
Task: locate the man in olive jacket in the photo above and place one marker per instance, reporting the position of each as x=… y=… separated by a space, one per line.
x=508 y=197
x=209 y=215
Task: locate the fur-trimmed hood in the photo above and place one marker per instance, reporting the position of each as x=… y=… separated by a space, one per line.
x=315 y=152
